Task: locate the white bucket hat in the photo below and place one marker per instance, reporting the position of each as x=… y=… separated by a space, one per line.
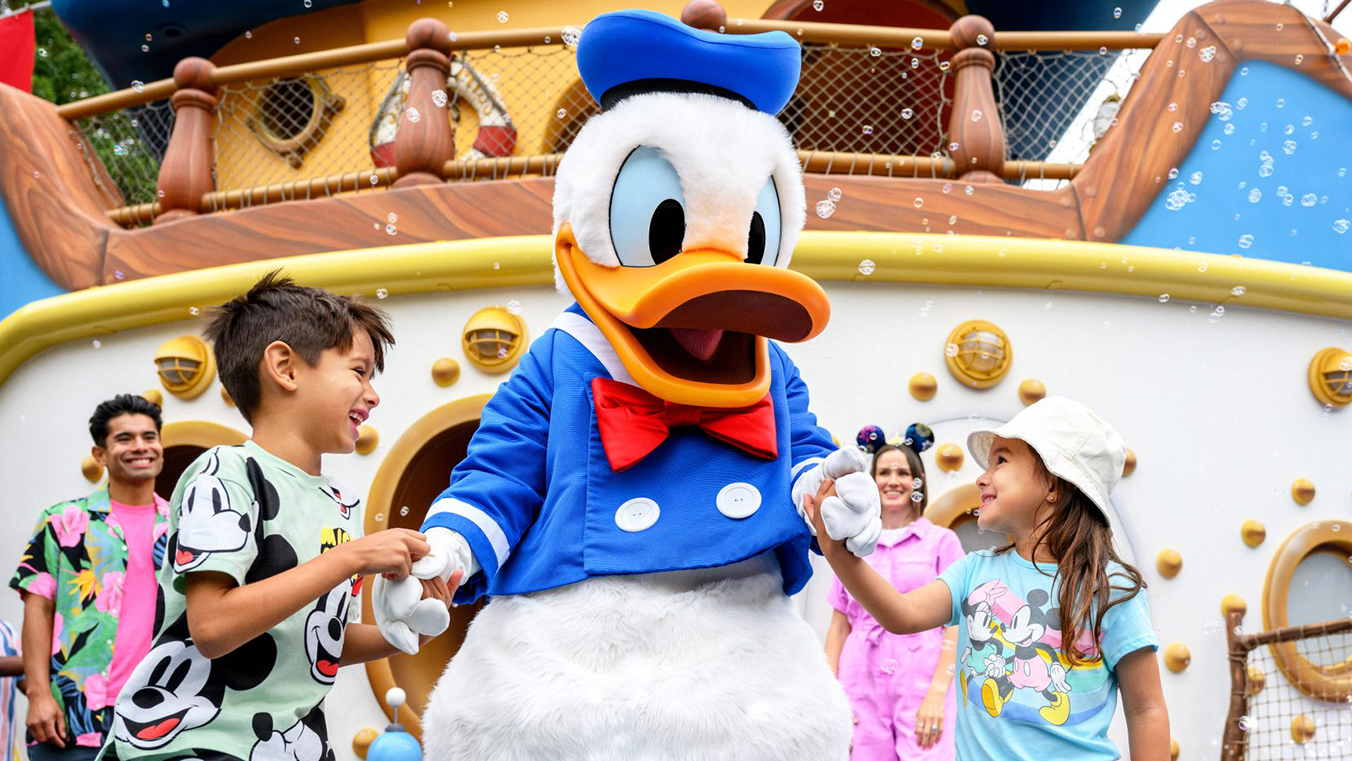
x=1072 y=441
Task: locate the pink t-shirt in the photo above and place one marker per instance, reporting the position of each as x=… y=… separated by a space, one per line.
x=136 y=619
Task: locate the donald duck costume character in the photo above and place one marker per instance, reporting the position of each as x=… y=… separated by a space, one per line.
x=628 y=501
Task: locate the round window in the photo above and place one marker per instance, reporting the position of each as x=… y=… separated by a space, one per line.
x=287 y=108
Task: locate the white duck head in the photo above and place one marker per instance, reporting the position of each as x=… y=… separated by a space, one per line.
x=676 y=212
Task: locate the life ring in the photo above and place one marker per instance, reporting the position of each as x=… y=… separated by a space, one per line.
x=496 y=137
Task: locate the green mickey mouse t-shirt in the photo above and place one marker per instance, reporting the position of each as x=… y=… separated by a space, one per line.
x=243 y=512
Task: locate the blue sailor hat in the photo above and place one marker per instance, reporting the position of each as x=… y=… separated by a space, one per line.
x=630 y=52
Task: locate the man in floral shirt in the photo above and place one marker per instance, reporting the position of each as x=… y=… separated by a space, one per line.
x=88 y=585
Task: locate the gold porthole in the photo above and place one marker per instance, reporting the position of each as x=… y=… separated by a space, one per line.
x=185 y=366
x=1330 y=377
x=1323 y=681
x=416 y=470
x=955 y=509
x=494 y=339
x=978 y=354
x=183 y=442
x=291 y=116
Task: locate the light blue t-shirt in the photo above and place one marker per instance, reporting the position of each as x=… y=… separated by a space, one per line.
x=1019 y=697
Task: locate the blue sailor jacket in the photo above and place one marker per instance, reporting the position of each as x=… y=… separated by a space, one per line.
x=540 y=506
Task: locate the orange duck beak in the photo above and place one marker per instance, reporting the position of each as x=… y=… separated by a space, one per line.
x=693 y=329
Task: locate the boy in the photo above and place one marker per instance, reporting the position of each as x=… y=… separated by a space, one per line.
x=257 y=607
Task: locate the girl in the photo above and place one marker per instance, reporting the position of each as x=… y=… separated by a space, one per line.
x=898 y=684
x=1050 y=626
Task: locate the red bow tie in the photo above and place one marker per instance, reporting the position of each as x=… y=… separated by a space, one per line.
x=633 y=423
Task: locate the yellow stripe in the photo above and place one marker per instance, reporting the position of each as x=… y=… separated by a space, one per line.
x=918 y=259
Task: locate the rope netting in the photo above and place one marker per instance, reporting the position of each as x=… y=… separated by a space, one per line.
x=1056 y=105
x=123 y=150
x=1308 y=715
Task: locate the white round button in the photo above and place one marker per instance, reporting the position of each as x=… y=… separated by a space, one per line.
x=638 y=514
x=738 y=500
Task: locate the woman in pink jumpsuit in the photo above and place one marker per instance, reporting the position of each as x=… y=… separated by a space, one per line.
x=898 y=684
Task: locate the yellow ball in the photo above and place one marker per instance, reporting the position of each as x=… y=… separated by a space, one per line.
x=1177 y=657
x=1031 y=391
x=1129 y=465
x=361 y=741
x=923 y=386
x=368 y=438
x=1234 y=603
x=1169 y=563
x=1257 y=680
x=1302 y=491
x=1173 y=749
x=1342 y=46
x=225 y=397
x=91 y=469
x=949 y=458
x=153 y=396
x=445 y=372
x=1302 y=729
x=1254 y=532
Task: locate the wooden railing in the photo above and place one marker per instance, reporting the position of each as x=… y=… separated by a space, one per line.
x=423 y=149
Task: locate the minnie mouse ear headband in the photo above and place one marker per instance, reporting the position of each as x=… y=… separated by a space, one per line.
x=919 y=437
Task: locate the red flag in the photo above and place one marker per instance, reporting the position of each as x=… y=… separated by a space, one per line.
x=17 y=41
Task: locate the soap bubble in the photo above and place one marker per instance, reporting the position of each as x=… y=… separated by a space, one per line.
x=833 y=194
x=907 y=113
x=1117 y=13
x=194 y=311
x=502 y=17
x=514 y=307
x=561 y=113
x=403 y=510
x=917 y=496
x=1238 y=290
x=817 y=5
x=1309 y=199
x=916 y=483
x=1206 y=54
x=825 y=209
x=1178 y=127
x=502 y=353
x=413 y=115
x=951 y=350
x=391 y=230
x=1281 y=103
x=1341 y=226
x=976 y=114
x=868 y=129
x=98 y=344
x=571 y=35
x=866 y=267
x=1216 y=144
x=1201 y=266
x=439 y=98
x=875 y=52
x=138 y=85
x=969 y=190
x=1164 y=298
x=144 y=49
x=1173 y=173
x=982 y=39
x=919 y=202
x=1195 y=178
x=1289 y=147
x=392 y=218
x=1245 y=241
x=917 y=43
x=382 y=293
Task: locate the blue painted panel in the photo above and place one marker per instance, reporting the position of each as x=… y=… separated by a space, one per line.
x=20 y=279
x=1270 y=177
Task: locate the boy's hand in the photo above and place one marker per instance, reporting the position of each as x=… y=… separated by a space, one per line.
x=390 y=553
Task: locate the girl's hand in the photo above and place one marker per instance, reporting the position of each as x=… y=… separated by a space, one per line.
x=810 y=503
x=929 y=720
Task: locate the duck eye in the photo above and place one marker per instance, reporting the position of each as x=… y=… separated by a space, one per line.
x=762 y=244
x=647 y=210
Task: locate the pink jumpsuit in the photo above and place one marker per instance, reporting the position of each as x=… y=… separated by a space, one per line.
x=886 y=676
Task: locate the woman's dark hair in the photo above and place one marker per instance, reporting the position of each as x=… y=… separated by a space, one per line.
x=122 y=404
x=917 y=471
x=309 y=320
x=1078 y=535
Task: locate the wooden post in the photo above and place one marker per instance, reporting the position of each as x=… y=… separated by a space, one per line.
x=425 y=141
x=1234 y=741
x=975 y=121
x=185 y=172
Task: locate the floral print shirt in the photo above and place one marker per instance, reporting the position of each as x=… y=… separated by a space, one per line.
x=78 y=558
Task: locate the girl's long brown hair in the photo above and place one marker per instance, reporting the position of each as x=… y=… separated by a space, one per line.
x=1080 y=538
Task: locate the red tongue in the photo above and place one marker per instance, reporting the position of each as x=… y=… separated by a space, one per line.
x=156 y=731
x=701 y=343
x=183 y=557
x=327 y=668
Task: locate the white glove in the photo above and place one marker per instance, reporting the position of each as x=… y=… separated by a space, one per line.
x=856 y=514
x=995 y=666
x=401 y=613
x=1058 y=675
x=839 y=463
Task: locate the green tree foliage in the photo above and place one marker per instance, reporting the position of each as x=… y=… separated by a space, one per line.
x=62 y=73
